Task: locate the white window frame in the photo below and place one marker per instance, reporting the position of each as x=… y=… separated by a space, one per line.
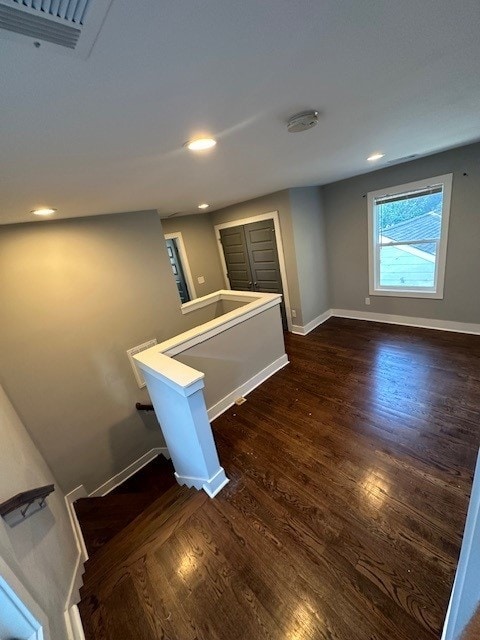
x=436 y=292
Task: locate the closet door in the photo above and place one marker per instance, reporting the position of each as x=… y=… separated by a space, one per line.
x=263 y=260
x=236 y=258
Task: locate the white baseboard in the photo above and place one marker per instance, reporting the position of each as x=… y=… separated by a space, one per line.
x=79 y=492
x=129 y=471
x=225 y=403
x=300 y=330
x=211 y=486
x=73 y=623
x=424 y=323
x=371 y=316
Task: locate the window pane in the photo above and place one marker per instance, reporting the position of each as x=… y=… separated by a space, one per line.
x=417 y=217
x=406 y=266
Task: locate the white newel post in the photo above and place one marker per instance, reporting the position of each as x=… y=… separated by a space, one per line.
x=176 y=391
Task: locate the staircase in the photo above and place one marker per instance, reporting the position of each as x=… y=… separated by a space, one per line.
x=118 y=549
x=101 y=519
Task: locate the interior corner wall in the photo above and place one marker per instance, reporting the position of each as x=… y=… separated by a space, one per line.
x=347 y=238
x=75 y=295
x=201 y=249
x=278 y=201
x=41 y=551
x=311 y=251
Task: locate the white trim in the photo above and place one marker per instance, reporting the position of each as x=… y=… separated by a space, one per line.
x=14 y=585
x=73 y=623
x=128 y=472
x=472 y=525
x=216 y=296
x=177 y=235
x=436 y=292
x=424 y=323
x=79 y=492
x=212 y=486
x=271 y=215
x=201 y=333
x=300 y=330
x=225 y=403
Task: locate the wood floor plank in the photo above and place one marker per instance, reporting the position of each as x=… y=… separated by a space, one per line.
x=350 y=472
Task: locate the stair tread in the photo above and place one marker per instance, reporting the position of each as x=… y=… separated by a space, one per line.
x=158 y=521
x=102 y=518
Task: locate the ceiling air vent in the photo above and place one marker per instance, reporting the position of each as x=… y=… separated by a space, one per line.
x=71 y=25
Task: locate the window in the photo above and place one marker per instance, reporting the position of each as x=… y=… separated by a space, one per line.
x=408 y=228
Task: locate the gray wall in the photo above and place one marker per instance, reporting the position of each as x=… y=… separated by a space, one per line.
x=279 y=201
x=201 y=248
x=233 y=357
x=310 y=248
x=347 y=238
x=75 y=295
x=40 y=551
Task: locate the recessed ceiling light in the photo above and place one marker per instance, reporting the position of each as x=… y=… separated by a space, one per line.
x=375 y=156
x=200 y=144
x=43 y=212
x=203 y=206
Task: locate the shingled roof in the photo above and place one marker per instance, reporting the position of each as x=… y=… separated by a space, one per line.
x=426 y=226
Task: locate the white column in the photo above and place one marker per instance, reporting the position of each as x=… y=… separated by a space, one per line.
x=176 y=391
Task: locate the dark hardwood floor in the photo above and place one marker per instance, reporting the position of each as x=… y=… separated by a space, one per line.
x=350 y=474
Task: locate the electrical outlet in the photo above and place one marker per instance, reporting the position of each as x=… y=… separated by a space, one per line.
x=294 y=313
x=201 y=280
x=367 y=300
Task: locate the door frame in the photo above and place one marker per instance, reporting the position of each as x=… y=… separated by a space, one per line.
x=177 y=235
x=271 y=215
x=23 y=601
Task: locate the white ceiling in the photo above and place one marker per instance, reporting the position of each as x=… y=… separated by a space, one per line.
x=105 y=135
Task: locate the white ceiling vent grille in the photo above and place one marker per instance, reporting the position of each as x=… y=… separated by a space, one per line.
x=60 y=24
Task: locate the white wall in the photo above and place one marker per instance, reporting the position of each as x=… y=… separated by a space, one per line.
x=40 y=551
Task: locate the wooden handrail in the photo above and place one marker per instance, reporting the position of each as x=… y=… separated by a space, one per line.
x=25 y=499
x=143 y=407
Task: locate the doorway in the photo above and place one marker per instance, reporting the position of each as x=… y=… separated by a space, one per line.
x=16 y=620
x=250 y=254
x=180 y=267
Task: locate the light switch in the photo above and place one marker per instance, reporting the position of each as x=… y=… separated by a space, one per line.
x=201 y=280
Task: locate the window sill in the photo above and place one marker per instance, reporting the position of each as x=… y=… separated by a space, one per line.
x=433 y=295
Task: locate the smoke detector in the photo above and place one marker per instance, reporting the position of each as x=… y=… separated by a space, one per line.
x=302 y=121
x=68 y=26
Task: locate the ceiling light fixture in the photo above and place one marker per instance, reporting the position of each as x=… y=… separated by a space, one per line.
x=375 y=156
x=43 y=212
x=200 y=144
x=204 y=205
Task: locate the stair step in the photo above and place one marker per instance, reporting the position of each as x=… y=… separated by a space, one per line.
x=102 y=518
x=157 y=475
x=157 y=523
